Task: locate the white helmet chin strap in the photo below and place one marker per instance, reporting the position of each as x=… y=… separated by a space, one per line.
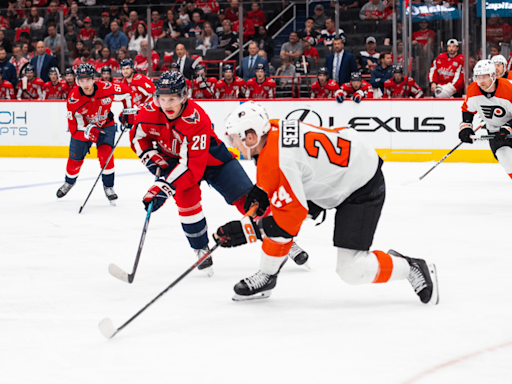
x=493 y=81
x=249 y=155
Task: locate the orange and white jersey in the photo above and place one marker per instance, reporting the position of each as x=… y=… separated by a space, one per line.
x=302 y=162
x=495 y=111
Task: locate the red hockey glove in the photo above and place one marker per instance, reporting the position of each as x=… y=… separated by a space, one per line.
x=358 y=96
x=153 y=160
x=339 y=96
x=92 y=133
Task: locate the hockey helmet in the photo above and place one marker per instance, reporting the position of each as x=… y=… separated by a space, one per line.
x=106 y=69
x=200 y=68
x=397 y=68
x=85 y=71
x=259 y=67
x=126 y=63
x=499 y=59
x=227 y=68
x=484 y=67
x=323 y=71
x=54 y=71
x=356 y=76
x=174 y=67
x=69 y=71
x=30 y=69
x=171 y=83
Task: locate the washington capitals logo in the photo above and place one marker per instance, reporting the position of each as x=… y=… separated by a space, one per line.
x=490 y=110
x=71 y=100
x=193 y=118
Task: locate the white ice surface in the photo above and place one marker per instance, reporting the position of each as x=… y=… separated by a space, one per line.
x=55 y=288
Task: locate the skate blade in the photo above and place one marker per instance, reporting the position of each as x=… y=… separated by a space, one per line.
x=434 y=300
x=306 y=264
x=112 y=203
x=208 y=271
x=257 y=296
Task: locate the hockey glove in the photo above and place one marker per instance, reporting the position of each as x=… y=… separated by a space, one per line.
x=339 y=96
x=153 y=160
x=127 y=120
x=466 y=130
x=502 y=135
x=158 y=193
x=92 y=133
x=237 y=233
x=258 y=196
x=357 y=97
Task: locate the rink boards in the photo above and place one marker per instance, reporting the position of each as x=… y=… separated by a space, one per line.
x=400 y=130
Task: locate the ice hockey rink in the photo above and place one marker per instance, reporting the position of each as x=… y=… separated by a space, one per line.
x=55 y=288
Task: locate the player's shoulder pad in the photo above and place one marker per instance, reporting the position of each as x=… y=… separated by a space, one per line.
x=74 y=96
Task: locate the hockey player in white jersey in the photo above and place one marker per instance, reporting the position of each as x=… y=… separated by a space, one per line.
x=500 y=63
x=303 y=169
x=491 y=98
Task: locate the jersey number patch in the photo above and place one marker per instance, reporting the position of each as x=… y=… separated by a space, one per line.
x=281 y=196
x=199 y=142
x=340 y=159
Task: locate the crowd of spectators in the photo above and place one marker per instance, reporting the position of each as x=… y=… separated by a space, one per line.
x=198 y=32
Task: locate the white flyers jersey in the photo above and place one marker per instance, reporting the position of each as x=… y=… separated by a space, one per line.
x=496 y=110
x=302 y=162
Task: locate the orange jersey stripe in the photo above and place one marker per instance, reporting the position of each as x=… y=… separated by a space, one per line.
x=275 y=248
x=385 y=267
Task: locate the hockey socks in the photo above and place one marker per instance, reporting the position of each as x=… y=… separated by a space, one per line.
x=72 y=170
x=108 y=174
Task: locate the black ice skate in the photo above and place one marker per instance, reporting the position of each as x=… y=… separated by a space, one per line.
x=298 y=255
x=257 y=286
x=63 y=191
x=111 y=195
x=423 y=278
x=206 y=265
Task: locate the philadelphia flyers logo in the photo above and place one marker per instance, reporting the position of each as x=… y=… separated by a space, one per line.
x=193 y=118
x=491 y=111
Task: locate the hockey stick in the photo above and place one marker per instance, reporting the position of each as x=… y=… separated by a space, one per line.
x=130 y=111
x=118 y=272
x=487 y=137
x=107 y=328
x=408 y=182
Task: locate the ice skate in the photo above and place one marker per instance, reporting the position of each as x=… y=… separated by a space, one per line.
x=423 y=278
x=111 y=195
x=206 y=265
x=63 y=191
x=298 y=255
x=257 y=286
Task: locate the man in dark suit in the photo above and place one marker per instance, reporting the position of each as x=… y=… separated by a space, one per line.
x=340 y=63
x=184 y=62
x=42 y=62
x=250 y=62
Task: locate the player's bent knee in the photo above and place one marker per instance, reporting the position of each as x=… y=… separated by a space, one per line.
x=356 y=267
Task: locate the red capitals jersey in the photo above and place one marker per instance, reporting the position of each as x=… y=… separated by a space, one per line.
x=111 y=63
x=265 y=90
x=156 y=29
x=324 y=92
x=422 y=37
x=404 y=90
x=211 y=6
x=142 y=89
x=234 y=90
x=366 y=90
x=34 y=89
x=446 y=70
x=141 y=62
x=207 y=92
x=87 y=34
x=189 y=138
x=55 y=92
x=6 y=90
x=95 y=109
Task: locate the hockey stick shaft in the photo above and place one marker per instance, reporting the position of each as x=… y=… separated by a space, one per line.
x=487 y=137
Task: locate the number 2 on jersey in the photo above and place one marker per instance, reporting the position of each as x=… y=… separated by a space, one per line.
x=340 y=159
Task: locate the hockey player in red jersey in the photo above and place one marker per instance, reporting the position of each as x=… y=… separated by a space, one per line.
x=106 y=74
x=304 y=170
x=30 y=87
x=357 y=88
x=90 y=120
x=491 y=98
x=203 y=87
x=500 y=64
x=6 y=89
x=70 y=77
x=173 y=67
x=231 y=86
x=324 y=88
x=141 y=86
x=400 y=87
x=446 y=74
x=55 y=89
x=261 y=86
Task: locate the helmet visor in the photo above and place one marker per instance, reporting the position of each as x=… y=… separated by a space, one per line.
x=170 y=100
x=235 y=140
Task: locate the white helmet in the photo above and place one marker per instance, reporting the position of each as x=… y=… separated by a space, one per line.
x=484 y=67
x=249 y=115
x=499 y=59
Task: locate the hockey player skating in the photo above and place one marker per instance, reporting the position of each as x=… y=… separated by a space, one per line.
x=357 y=88
x=91 y=121
x=401 y=87
x=176 y=135
x=491 y=98
x=500 y=63
x=303 y=168
x=141 y=86
x=324 y=88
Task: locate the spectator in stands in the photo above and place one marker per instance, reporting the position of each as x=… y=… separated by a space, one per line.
x=328 y=34
x=286 y=69
x=497 y=31
x=373 y=10
x=78 y=49
x=340 y=63
x=390 y=9
x=106 y=60
x=85 y=58
x=208 y=39
x=361 y=68
x=232 y=12
x=271 y=69
x=191 y=8
x=52 y=17
x=156 y=26
x=8 y=70
x=5 y=42
x=424 y=37
x=207 y=6
x=4 y=23
x=129 y=6
x=399 y=53
x=221 y=16
x=87 y=33
x=293 y=49
x=71 y=36
x=17 y=59
x=495 y=50
x=42 y=62
x=141 y=60
x=184 y=17
x=381 y=73
x=256 y=15
x=309 y=33
x=141 y=34
x=104 y=28
x=116 y=39
x=310 y=52
x=97 y=48
x=249 y=63
x=265 y=42
x=184 y=62
x=33 y=20
x=319 y=18
x=114 y=12
x=55 y=42
x=75 y=17
x=122 y=54
x=170 y=27
x=25 y=50
x=130 y=27
x=345 y=5
x=247 y=26
x=195 y=27
x=370 y=56
x=228 y=40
